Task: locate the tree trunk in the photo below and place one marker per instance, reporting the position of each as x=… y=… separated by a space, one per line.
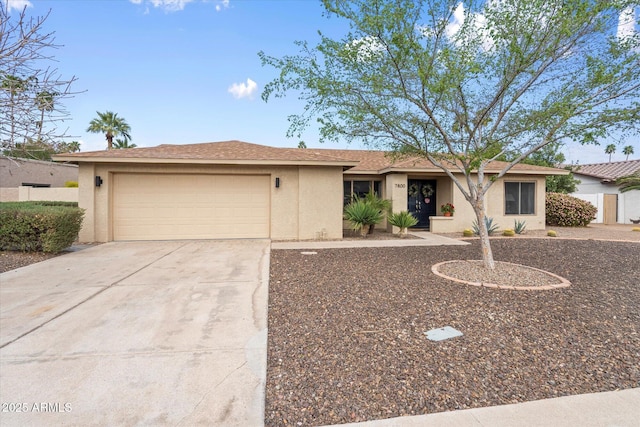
x=109 y=141
x=485 y=244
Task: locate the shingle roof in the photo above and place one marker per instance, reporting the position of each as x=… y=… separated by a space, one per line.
x=239 y=152
x=225 y=151
x=378 y=161
x=609 y=171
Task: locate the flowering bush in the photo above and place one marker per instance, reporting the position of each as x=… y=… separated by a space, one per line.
x=568 y=211
x=447 y=207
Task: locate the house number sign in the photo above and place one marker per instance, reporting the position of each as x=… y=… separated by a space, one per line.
x=401 y=185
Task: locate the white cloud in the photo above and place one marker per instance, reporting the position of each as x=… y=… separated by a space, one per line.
x=479 y=22
x=224 y=4
x=166 y=5
x=17 y=4
x=243 y=90
x=366 y=48
x=458 y=19
x=626 y=23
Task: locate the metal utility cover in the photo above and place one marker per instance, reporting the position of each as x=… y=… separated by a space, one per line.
x=443 y=333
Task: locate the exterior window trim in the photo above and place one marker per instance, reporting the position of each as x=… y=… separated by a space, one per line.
x=372 y=184
x=520 y=182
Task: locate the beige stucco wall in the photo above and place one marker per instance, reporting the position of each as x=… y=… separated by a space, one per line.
x=8 y=194
x=494 y=205
x=58 y=194
x=15 y=172
x=305 y=203
x=320 y=203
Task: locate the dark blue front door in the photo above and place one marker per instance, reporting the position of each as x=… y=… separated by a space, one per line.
x=422 y=200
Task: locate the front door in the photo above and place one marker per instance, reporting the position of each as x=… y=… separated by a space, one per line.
x=422 y=200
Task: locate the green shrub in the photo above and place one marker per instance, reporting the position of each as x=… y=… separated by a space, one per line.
x=55 y=203
x=568 y=211
x=71 y=184
x=33 y=226
x=402 y=220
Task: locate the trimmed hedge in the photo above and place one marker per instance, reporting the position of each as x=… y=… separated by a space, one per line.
x=39 y=226
x=568 y=211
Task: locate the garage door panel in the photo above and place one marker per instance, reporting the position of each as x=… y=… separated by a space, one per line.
x=167 y=206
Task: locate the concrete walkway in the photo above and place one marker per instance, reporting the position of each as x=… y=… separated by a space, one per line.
x=425 y=239
x=137 y=333
x=608 y=409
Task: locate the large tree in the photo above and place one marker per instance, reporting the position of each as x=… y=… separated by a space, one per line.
x=111 y=126
x=627 y=151
x=464 y=83
x=31 y=90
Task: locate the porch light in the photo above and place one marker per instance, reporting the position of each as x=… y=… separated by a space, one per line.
x=98 y=181
x=277 y=182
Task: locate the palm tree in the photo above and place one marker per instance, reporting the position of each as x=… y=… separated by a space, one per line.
x=123 y=143
x=627 y=151
x=611 y=148
x=111 y=125
x=44 y=100
x=629 y=182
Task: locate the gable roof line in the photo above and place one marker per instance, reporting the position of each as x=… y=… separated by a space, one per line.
x=609 y=171
x=244 y=153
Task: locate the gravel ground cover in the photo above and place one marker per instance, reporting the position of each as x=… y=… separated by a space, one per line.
x=10 y=260
x=346 y=330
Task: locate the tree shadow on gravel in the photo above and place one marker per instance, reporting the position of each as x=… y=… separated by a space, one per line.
x=346 y=331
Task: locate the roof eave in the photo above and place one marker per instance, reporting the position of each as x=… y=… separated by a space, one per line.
x=131 y=160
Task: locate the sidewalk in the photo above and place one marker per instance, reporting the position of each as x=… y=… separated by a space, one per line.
x=608 y=409
x=425 y=239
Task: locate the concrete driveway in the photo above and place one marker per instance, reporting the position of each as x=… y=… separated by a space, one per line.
x=137 y=333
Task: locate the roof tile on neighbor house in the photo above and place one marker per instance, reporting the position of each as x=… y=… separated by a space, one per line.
x=609 y=171
x=212 y=151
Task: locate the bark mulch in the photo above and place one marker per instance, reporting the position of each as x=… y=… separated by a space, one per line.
x=346 y=330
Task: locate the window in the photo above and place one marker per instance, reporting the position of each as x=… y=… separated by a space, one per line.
x=520 y=198
x=360 y=189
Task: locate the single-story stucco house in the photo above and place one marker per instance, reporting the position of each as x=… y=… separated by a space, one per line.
x=235 y=189
x=598 y=186
x=18 y=175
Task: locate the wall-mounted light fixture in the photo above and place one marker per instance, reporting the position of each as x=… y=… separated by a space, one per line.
x=277 y=182
x=98 y=181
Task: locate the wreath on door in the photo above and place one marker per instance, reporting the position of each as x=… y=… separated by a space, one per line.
x=415 y=190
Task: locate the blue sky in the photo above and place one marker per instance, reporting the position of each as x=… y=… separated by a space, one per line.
x=187 y=71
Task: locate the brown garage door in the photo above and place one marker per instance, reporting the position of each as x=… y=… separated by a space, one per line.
x=182 y=206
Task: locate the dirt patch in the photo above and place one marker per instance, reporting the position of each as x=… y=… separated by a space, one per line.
x=347 y=330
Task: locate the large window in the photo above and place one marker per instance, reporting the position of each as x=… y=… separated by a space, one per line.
x=360 y=189
x=520 y=198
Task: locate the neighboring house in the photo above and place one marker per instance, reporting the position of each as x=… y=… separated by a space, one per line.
x=598 y=186
x=235 y=189
x=16 y=172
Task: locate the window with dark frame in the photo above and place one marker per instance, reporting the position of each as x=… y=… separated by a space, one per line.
x=360 y=189
x=519 y=198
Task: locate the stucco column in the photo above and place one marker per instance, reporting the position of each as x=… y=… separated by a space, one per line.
x=86 y=201
x=396 y=191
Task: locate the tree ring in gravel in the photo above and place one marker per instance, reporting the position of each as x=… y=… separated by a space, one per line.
x=505 y=276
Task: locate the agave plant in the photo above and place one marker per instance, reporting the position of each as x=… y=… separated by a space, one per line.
x=519 y=226
x=402 y=220
x=491 y=227
x=362 y=214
